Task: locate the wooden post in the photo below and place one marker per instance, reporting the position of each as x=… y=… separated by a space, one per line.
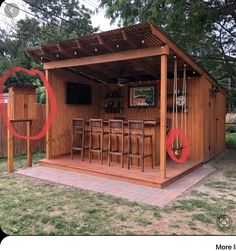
x=29 y=154
x=48 y=134
x=10 y=152
x=163 y=116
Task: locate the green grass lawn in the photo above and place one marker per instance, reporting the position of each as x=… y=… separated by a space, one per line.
x=33 y=207
x=231 y=140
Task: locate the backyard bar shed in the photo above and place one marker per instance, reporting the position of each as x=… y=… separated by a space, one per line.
x=138 y=79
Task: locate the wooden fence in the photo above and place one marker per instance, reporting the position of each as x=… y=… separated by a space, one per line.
x=20 y=127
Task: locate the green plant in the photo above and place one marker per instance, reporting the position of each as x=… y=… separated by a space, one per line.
x=41 y=95
x=230 y=140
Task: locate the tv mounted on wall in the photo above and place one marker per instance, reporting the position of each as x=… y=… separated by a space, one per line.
x=80 y=94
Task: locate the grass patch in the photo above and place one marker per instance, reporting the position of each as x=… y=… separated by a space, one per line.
x=174 y=226
x=199 y=194
x=157 y=214
x=143 y=222
x=202 y=218
x=220 y=185
x=30 y=206
x=230 y=174
x=192 y=225
x=231 y=140
x=211 y=209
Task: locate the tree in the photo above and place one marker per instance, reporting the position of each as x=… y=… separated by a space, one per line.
x=52 y=21
x=206 y=29
x=66 y=19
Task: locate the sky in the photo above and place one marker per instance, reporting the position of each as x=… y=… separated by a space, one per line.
x=98 y=19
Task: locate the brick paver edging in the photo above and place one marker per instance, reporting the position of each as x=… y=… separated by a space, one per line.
x=132 y=192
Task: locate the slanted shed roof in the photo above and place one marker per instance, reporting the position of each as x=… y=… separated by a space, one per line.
x=77 y=53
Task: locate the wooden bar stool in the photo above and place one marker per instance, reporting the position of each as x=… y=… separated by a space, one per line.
x=97 y=129
x=136 y=131
x=78 y=128
x=116 y=129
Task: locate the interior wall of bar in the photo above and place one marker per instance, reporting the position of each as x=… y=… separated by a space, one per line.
x=198 y=127
x=59 y=136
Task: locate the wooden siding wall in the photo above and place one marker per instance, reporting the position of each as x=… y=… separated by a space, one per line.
x=195 y=113
x=132 y=113
x=198 y=121
x=221 y=113
x=195 y=103
x=138 y=114
x=59 y=136
x=20 y=127
x=214 y=122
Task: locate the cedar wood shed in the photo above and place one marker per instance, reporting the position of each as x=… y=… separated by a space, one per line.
x=120 y=61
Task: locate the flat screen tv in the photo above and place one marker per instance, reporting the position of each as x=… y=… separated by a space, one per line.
x=80 y=94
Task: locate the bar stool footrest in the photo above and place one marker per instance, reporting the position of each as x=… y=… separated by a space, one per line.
x=117 y=153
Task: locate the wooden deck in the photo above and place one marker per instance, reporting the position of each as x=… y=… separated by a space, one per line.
x=150 y=177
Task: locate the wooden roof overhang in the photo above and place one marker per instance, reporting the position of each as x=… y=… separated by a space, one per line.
x=131 y=53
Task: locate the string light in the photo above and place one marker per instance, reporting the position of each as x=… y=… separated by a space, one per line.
x=95 y=49
x=57 y=55
x=75 y=53
x=143 y=41
x=117 y=46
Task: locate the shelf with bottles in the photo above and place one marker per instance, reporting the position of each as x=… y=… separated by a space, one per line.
x=113 y=101
x=113 y=94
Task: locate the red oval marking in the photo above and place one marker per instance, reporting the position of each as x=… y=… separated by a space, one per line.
x=51 y=98
x=170 y=138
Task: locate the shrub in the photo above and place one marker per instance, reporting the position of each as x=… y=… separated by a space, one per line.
x=231 y=128
x=41 y=95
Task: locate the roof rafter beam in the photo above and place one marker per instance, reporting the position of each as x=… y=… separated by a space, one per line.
x=155 y=31
x=133 y=45
x=93 y=72
x=104 y=43
x=102 y=70
x=110 y=57
x=84 y=75
x=158 y=33
x=82 y=48
x=32 y=54
x=46 y=53
x=64 y=51
x=146 y=69
x=126 y=38
x=134 y=74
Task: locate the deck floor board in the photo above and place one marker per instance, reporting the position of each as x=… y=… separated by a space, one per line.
x=150 y=177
